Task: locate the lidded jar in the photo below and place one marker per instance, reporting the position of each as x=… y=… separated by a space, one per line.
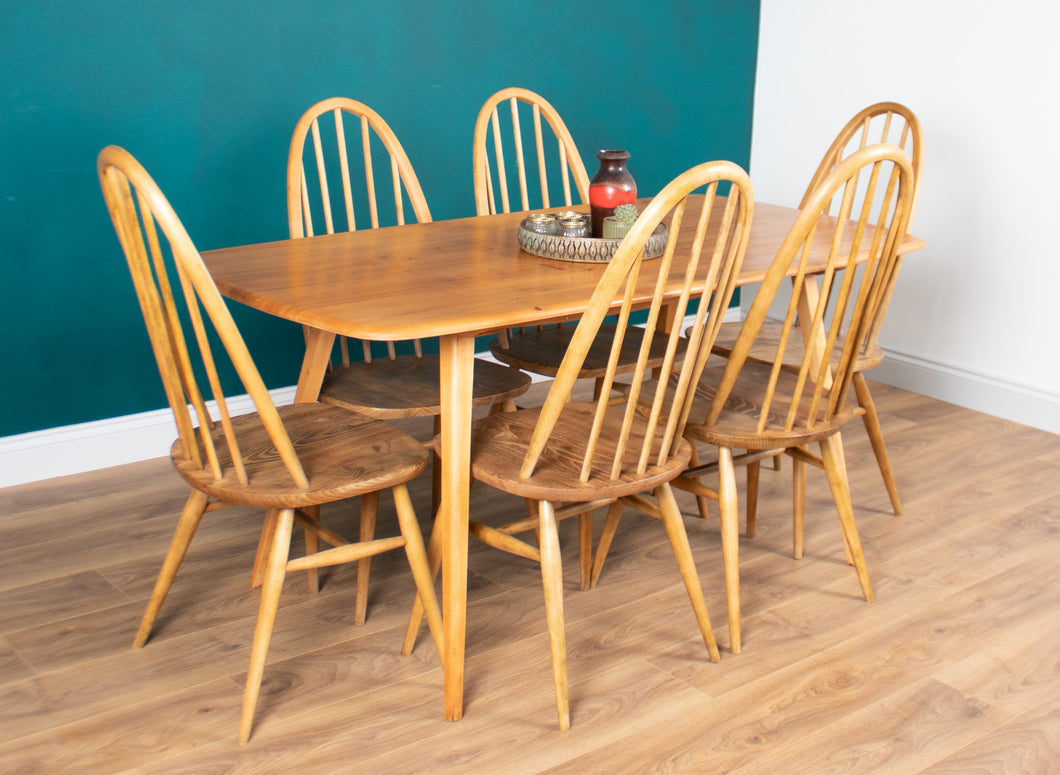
x=541 y=223
x=611 y=186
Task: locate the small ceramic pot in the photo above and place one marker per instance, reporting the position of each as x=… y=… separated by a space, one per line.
x=614 y=228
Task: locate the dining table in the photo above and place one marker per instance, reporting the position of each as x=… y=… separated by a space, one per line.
x=455 y=280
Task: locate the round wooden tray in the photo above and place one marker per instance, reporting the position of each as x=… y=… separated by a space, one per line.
x=588 y=250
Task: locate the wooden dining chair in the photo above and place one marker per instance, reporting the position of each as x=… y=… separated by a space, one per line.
x=573 y=457
x=321 y=192
x=751 y=408
x=286 y=460
x=884 y=122
x=325 y=173
x=508 y=174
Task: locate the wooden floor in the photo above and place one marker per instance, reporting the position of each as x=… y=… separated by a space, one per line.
x=954 y=669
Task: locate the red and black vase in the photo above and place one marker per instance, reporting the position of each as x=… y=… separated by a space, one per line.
x=611 y=186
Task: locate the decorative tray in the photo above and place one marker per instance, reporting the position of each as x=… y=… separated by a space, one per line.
x=590 y=250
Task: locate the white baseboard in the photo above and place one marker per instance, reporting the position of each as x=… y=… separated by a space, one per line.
x=973 y=390
x=72 y=449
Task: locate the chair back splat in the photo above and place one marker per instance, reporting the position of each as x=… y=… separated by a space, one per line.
x=315 y=169
x=883 y=123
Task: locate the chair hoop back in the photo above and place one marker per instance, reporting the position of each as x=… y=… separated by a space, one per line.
x=303 y=189
x=884 y=122
x=875 y=189
x=491 y=174
x=146 y=224
x=702 y=261
x=336 y=165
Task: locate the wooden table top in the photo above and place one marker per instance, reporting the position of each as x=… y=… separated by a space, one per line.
x=463 y=276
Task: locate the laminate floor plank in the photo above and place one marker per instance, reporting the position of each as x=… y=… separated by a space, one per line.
x=904 y=732
x=1029 y=743
x=954 y=668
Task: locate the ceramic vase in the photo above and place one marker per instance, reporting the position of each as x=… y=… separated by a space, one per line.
x=611 y=186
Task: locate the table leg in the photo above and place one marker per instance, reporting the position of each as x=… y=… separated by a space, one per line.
x=457 y=355
x=812 y=340
x=318 y=346
x=667 y=321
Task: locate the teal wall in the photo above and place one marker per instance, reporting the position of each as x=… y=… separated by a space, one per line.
x=205 y=94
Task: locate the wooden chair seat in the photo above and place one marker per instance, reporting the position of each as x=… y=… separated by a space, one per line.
x=541 y=349
x=409 y=386
x=765 y=347
x=737 y=425
x=499 y=442
x=343 y=454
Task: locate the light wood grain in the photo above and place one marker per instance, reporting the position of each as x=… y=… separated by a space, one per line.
x=396 y=282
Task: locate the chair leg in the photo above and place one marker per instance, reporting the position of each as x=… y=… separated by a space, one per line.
x=585 y=549
x=257 y=574
x=369 y=511
x=832 y=454
x=675 y=530
x=701 y=500
x=422 y=573
x=752 y=496
x=798 y=497
x=730 y=541
x=614 y=514
x=875 y=432
x=436 y=469
x=552 y=578
x=312 y=546
x=844 y=469
x=271 y=588
x=434 y=562
x=189 y=521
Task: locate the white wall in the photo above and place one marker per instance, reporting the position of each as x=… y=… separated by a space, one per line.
x=975 y=318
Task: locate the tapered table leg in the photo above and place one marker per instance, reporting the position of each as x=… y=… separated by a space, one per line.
x=318 y=346
x=457 y=355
